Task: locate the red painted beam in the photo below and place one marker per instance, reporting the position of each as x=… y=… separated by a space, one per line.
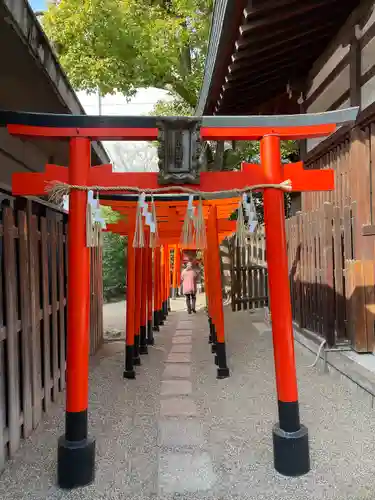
x=101 y=134
x=29 y=184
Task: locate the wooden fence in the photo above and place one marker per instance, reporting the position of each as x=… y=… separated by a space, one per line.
x=249 y=273
x=332 y=294
x=33 y=286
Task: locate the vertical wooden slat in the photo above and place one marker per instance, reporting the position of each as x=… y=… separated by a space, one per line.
x=328 y=305
x=54 y=322
x=60 y=245
x=25 y=300
x=12 y=335
x=36 y=367
x=244 y=280
x=369 y=289
x=2 y=361
x=339 y=278
x=358 y=325
x=372 y=164
x=238 y=278
x=303 y=270
x=233 y=275
x=45 y=309
x=321 y=271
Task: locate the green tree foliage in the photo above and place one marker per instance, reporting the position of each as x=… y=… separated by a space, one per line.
x=114 y=259
x=123 y=45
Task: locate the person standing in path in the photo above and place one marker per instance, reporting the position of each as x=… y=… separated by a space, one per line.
x=189 y=286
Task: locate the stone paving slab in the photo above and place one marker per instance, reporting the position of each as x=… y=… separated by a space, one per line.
x=184 y=331
x=179 y=357
x=186 y=348
x=177 y=371
x=182 y=339
x=185 y=472
x=176 y=388
x=186 y=432
x=174 y=407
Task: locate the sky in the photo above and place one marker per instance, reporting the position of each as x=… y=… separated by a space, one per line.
x=38 y=4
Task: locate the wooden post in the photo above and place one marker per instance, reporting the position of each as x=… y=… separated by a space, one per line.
x=216 y=290
x=76 y=451
x=137 y=309
x=150 y=334
x=290 y=438
x=143 y=311
x=162 y=285
x=175 y=271
x=129 y=371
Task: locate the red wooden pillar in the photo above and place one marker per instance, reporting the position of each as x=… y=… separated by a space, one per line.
x=178 y=270
x=137 y=309
x=162 y=285
x=290 y=438
x=175 y=271
x=156 y=289
x=216 y=288
x=143 y=312
x=150 y=334
x=129 y=371
x=168 y=279
x=207 y=291
x=76 y=451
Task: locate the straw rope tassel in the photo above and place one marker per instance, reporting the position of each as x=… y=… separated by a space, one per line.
x=188 y=233
x=154 y=235
x=241 y=231
x=139 y=236
x=200 y=228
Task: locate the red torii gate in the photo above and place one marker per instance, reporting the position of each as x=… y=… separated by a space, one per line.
x=76 y=451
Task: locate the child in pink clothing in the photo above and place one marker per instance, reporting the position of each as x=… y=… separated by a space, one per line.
x=189 y=286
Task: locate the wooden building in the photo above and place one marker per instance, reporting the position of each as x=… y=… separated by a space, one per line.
x=286 y=56
x=33 y=260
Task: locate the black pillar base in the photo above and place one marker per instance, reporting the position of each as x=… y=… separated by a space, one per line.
x=216 y=360
x=156 y=328
x=291 y=451
x=222 y=373
x=221 y=358
x=143 y=340
x=161 y=317
x=129 y=362
x=137 y=361
x=213 y=348
x=129 y=374
x=169 y=305
x=150 y=333
x=210 y=330
x=75 y=463
x=137 y=342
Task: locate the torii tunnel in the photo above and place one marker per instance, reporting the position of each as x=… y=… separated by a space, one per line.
x=149 y=275
x=76 y=450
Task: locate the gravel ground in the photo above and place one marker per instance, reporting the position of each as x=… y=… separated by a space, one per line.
x=179 y=433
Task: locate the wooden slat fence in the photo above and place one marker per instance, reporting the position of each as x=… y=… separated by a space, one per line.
x=33 y=291
x=332 y=294
x=249 y=273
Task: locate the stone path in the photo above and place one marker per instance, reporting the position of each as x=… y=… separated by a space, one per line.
x=176 y=432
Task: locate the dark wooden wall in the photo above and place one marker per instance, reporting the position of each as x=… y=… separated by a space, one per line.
x=331 y=243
